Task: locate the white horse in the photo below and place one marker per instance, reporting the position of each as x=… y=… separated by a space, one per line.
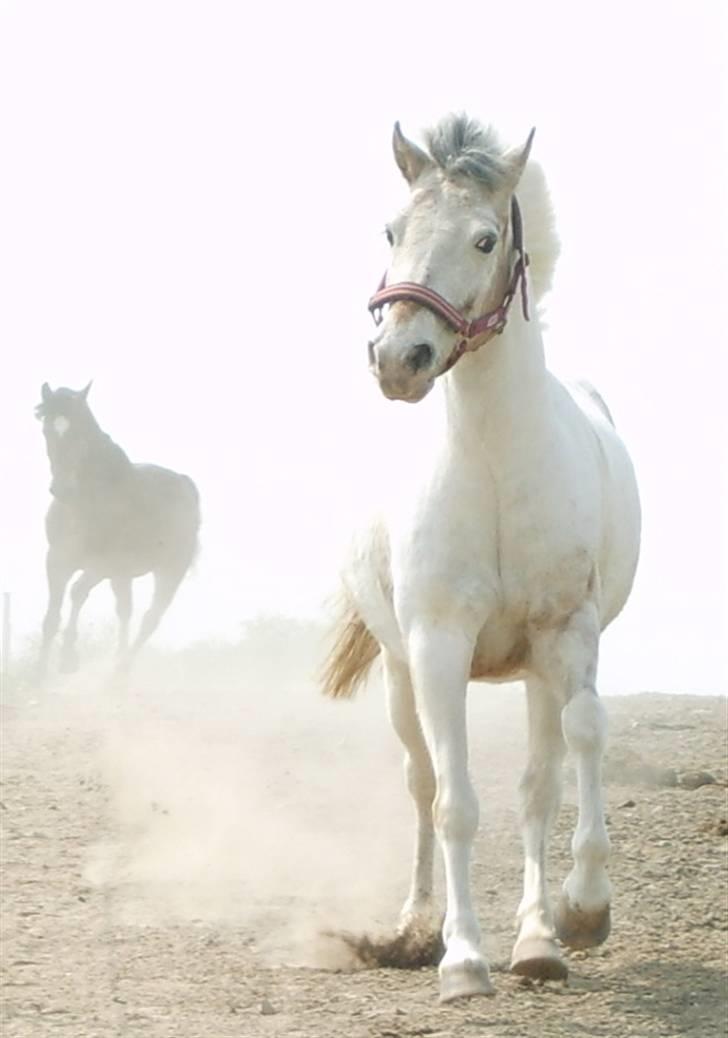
x=514 y=546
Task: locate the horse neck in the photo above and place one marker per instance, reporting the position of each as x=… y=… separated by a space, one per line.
x=496 y=394
x=92 y=431
x=102 y=449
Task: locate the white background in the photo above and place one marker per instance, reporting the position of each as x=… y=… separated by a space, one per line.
x=191 y=204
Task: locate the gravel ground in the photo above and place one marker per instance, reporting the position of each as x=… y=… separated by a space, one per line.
x=171 y=855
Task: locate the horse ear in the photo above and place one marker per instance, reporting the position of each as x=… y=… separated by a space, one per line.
x=85 y=391
x=45 y=392
x=410 y=159
x=516 y=161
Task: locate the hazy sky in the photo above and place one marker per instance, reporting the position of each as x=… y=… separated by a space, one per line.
x=192 y=197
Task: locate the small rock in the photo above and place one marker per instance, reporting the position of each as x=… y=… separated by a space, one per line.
x=267 y=1009
x=720 y=828
x=627 y=803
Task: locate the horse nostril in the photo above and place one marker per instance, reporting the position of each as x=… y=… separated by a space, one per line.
x=420 y=356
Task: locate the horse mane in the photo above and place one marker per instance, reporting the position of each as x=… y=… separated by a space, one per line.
x=462 y=146
x=106 y=459
x=114 y=457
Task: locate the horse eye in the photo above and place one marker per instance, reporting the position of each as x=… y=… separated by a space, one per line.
x=487 y=243
x=389 y=235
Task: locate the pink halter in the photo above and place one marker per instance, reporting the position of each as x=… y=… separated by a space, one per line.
x=490 y=324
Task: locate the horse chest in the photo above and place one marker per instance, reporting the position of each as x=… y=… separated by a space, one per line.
x=510 y=579
x=516 y=541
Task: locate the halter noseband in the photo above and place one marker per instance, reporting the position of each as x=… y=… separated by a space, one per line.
x=491 y=323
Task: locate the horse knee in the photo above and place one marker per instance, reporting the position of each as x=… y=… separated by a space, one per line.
x=584 y=723
x=420 y=778
x=456 y=813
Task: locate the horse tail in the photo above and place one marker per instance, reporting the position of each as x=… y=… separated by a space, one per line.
x=354 y=651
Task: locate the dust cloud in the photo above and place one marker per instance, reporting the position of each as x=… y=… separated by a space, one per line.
x=236 y=795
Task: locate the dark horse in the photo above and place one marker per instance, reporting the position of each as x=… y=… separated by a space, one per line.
x=110 y=519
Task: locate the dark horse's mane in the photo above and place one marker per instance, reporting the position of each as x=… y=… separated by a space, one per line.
x=105 y=462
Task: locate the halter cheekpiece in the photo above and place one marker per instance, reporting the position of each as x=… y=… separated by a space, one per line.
x=489 y=324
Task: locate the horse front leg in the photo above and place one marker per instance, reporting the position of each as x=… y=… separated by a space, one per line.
x=58 y=572
x=583 y=915
x=440 y=661
x=417 y=917
x=536 y=953
x=80 y=591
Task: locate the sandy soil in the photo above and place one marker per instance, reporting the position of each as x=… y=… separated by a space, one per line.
x=172 y=853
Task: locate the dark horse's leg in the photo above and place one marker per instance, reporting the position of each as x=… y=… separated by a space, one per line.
x=121 y=586
x=166 y=582
x=59 y=571
x=79 y=593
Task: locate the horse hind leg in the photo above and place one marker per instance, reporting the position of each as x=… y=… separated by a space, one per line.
x=417 y=918
x=583 y=914
x=536 y=953
x=166 y=583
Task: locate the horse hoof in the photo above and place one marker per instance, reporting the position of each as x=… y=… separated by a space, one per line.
x=578 y=929
x=464 y=980
x=539 y=959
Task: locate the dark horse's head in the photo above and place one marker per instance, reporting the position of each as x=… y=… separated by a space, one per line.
x=67 y=421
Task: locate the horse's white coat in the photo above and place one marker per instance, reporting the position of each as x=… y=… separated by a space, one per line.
x=513 y=545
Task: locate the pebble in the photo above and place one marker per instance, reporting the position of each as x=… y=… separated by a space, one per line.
x=266 y=1008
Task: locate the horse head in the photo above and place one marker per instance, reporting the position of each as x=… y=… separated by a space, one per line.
x=457 y=256
x=66 y=419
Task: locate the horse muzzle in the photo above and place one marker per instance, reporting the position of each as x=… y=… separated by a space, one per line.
x=403 y=373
